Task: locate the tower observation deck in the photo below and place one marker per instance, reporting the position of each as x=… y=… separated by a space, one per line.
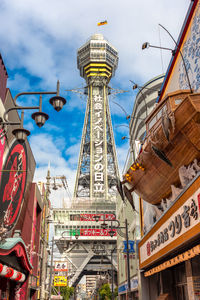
x=97 y=172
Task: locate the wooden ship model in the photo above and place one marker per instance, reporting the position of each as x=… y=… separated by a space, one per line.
x=172 y=140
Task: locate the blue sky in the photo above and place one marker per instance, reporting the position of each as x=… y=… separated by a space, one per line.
x=39 y=41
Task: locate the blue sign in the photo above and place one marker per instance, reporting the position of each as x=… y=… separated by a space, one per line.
x=130 y=247
x=124 y=287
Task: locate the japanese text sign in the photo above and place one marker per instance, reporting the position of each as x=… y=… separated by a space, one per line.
x=60 y=281
x=60 y=266
x=167 y=235
x=90 y=217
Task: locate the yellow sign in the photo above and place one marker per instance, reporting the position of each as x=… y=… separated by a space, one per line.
x=60 y=281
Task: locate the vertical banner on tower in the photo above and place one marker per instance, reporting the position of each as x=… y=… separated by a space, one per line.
x=98 y=137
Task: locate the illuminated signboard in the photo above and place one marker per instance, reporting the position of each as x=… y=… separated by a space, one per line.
x=60 y=281
x=91 y=232
x=90 y=217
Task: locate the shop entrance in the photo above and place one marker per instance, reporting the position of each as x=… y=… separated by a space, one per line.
x=181 y=291
x=174 y=282
x=179 y=274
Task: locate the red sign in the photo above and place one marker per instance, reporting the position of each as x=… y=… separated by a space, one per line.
x=13 y=183
x=90 y=217
x=96 y=232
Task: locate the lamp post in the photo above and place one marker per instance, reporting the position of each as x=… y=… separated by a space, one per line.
x=46 y=222
x=128 y=262
x=51 y=267
x=126 y=114
x=135 y=86
x=148 y=45
x=112 y=273
x=40 y=117
x=53 y=241
x=44 y=249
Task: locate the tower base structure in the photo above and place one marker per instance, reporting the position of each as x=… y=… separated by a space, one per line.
x=83 y=242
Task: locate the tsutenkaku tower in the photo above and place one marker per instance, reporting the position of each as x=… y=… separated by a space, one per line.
x=97 y=170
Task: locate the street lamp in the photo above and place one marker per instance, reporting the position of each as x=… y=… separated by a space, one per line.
x=135 y=86
x=126 y=114
x=46 y=230
x=51 y=266
x=39 y=117
x=148 y=45
x=125 y=137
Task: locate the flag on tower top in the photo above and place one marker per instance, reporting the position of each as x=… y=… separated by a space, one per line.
x=102 y=23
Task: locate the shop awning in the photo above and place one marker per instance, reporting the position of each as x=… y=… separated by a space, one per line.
x=16 y=247
x=174 y=261
x=11 y=273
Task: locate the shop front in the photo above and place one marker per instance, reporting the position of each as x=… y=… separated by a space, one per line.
x=123 y=289
x=15 y=268
x=169 y=252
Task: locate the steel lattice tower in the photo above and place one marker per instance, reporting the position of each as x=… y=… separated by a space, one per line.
x=97 y=170
x=90 y=249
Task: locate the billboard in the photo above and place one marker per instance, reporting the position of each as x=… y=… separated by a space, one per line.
x=92 y=232
x=60 y=281
x=90 y=217
x=60 y=266
x=13 y=183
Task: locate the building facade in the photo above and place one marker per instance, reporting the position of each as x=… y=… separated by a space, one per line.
x=20 y=208
x=145 y=101
x=169 y=250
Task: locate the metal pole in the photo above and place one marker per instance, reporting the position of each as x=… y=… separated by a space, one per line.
x=51 y=269
x=44 y=252
x=128 y=262
x=112 y=275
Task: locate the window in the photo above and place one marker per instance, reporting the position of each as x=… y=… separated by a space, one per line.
x=178 y=101
x=152 y=122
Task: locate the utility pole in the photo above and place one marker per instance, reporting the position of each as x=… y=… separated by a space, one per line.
x=44 y=252
x=51 y=269
x=128 y=263
x=112 y=273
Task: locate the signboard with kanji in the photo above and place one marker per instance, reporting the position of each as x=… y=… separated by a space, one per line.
x=60 y=266
x=90 y=217
x=178 y=225
x=60 y=280
x=91 y=232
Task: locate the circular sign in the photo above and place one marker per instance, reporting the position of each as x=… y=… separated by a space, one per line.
x=13 y=183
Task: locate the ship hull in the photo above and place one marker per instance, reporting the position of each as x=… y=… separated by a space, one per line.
x=183 y=147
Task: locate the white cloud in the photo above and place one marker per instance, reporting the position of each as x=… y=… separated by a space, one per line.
x=122 y=155
x=46 y=34
x=46 y=149
x=18 y=81
x=41 y=38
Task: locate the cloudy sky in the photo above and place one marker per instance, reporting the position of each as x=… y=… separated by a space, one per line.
x=38 y=42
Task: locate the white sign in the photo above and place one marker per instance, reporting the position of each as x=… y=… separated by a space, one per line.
x=180 y=222
x=61 y=266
